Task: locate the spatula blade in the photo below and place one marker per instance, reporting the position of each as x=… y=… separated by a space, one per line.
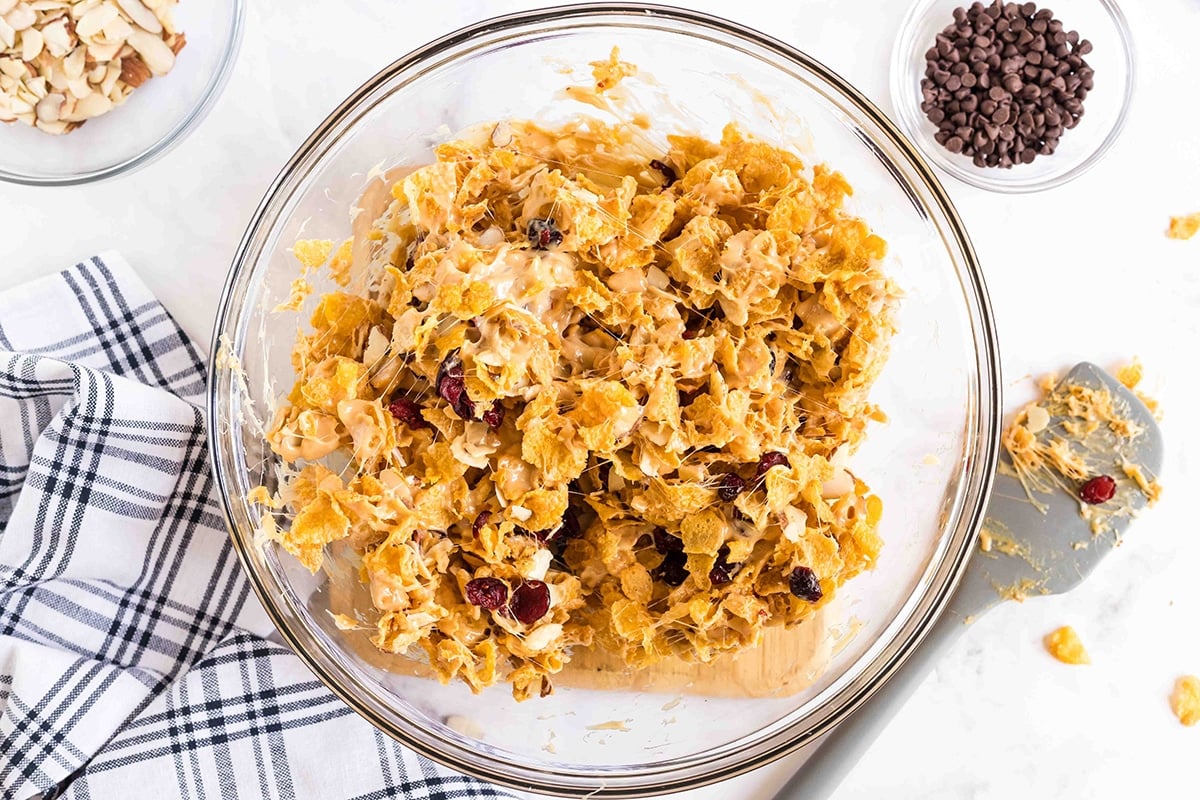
x=1042 y=544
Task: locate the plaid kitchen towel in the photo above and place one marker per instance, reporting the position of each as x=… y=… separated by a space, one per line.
x=133 y=661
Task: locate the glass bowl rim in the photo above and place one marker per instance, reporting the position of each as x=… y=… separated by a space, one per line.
x=180 y=131
x=911 y=120
x=955 y=544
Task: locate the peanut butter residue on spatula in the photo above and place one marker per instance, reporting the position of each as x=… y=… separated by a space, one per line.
x=1079 y=440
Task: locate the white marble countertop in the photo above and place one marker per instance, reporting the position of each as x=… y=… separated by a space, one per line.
x=1089 y=275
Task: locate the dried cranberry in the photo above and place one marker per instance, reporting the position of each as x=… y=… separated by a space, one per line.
x=408 y=412
x=731 y=486
x=667 y=543
x=452 y=388
x=480 y=520
x=769 y=460
x=530 y=601
x=673 y=570
x=1099 y=489
x=719 y=575
x=494 y=416
x=804 y=584
x=722 y=571
x=489 y=593
x=689 y=333
x=543 y=233
x=570 y=529
x=667 y=170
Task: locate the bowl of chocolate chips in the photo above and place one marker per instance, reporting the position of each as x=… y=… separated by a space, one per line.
x=1013 y=97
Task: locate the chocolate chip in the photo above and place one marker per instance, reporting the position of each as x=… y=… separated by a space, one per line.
x=1003 y=81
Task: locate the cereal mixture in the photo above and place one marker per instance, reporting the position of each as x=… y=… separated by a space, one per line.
x=590 y=394
x=1064 y=644
x=63 y=62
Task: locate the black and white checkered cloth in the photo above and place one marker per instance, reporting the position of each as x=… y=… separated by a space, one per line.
x=132 y=657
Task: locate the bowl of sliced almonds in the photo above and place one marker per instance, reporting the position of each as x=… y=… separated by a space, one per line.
x=91 y=89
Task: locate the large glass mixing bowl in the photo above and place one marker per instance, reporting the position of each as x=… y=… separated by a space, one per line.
x=931 y=463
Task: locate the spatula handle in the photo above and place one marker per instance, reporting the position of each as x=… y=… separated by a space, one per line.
x=840 y=750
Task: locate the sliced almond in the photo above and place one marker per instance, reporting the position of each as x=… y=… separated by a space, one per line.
x=12 y=67
x=50 y=106
x=140 y=15
x=116 y=31
x=21 y=16
x=31 y=44
x=103 y=53
x=8 y=36
x=37 y=86
x=94 y=21
x=56 y=128
x=93 y=105
x=73 y=65
x=153 y=50
x=7 y=5
x=80 y=87
x=81 y=8
x=56 y=78
x=58 y=41
x=112 y=74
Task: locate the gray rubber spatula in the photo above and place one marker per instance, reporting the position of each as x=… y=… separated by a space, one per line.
x=1050 y=561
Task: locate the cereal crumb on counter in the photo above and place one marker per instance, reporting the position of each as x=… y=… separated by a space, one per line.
x=1185 y=700
x=1184 y=227
x=1064 y=644
x=1131 y=374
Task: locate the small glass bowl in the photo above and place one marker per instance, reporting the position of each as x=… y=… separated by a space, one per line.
x=1106 y=107
x=155 y=118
